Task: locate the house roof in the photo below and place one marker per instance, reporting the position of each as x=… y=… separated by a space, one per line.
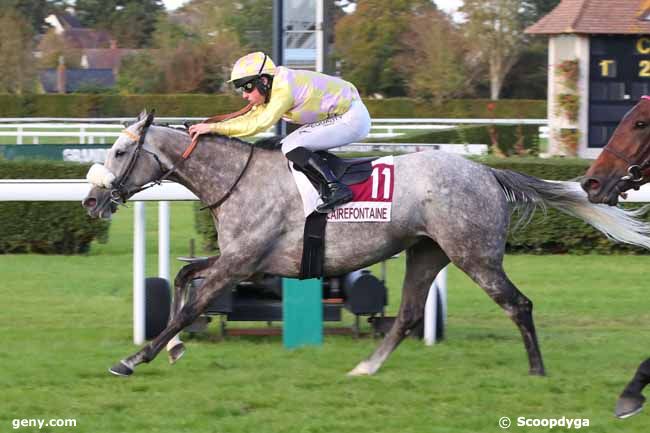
x=83 y=38
x=595 y=17
x=76 y=79
x=67 y=20
x=106 y=58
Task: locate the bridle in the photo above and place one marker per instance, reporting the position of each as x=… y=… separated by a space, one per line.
x=120 y=190
x=634 y=171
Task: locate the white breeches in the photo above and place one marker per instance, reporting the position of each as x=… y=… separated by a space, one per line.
x=349 y=127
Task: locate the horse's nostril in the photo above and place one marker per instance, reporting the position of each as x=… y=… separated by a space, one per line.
x=89 y=203
x=590 y=184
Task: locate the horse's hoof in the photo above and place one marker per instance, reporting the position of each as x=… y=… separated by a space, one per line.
x=537 y=372
x=363 y=369
x=121 y=369
x=628 y=405
x=176 y=353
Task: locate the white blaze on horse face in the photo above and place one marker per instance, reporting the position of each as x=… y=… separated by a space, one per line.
x=100 y=176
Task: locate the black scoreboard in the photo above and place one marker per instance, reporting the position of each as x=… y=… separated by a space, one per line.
x=619 y=71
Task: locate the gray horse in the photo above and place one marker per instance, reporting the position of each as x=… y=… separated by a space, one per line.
x=446 y=208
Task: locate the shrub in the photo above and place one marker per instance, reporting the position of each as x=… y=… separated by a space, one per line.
x=46 y=227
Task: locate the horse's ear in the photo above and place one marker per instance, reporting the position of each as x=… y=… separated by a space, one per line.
x=149 y=119
x=143 y=115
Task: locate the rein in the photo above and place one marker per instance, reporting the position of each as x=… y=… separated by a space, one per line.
x=226 y=196
x=122 y=192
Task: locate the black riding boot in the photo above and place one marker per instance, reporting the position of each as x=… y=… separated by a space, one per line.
x=337 y=192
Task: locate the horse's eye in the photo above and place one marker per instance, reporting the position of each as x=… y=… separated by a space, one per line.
x=119 y=153
x=641 y=125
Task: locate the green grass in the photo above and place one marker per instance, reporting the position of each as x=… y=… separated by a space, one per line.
x=65 y=319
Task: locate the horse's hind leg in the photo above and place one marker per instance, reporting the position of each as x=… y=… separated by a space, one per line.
x=423 y=262
x=489 y=274
x=175 y=347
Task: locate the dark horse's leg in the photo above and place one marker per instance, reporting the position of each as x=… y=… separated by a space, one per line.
x=175 y=347
x=423 y=262
x=492 y=278
x=222 y=275
x=631 y=400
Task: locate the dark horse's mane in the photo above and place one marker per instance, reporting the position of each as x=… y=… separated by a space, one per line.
x=269 y=143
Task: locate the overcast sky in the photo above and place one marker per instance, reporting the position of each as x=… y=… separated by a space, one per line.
x=447 y=5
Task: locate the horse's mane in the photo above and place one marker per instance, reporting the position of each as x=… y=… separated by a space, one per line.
x=269 y=143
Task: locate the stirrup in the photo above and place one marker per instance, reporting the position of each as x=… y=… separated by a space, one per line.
x=330 y=204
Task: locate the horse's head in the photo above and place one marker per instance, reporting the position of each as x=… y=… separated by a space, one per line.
x=624 y=162
x=130 y=164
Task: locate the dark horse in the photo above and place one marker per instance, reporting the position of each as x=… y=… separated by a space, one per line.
x=624 y=164
x=446 y=208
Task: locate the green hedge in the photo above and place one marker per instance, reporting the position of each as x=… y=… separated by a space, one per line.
x=507 y=137
x=199 y=105
x=205 y=227
x=547 y=233
x=46 y=227
x=458 y=108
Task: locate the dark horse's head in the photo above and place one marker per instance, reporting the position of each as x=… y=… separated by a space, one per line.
x=625 y=162
x=129 y=165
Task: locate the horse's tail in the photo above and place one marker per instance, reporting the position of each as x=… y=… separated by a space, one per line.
x=526 y=193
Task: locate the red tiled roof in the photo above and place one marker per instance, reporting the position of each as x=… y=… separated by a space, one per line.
x=595 y=16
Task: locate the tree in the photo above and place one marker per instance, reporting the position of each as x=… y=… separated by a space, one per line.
x=528 y=76
x=496 y=27
x=131 y=22
x=367 y=43
x=252 y=21
x=543 y=7
x=34 y=11
x=140 y=73
x=435 y=61
x=17 y=64
x=188 y=58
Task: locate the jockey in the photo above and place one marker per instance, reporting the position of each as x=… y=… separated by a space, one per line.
x=329 y=109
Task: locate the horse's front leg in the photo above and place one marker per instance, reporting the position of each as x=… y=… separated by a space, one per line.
x=631 y=400
x=224 y=274
x=175 y=347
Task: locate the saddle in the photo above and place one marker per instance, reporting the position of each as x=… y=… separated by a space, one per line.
x=347 y=170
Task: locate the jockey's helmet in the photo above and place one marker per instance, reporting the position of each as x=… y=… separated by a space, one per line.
x=251 y=66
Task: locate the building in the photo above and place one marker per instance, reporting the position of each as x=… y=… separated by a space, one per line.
x=100 y=57
x=599 y=67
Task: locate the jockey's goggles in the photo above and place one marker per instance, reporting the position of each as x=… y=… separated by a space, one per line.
x=246 y=85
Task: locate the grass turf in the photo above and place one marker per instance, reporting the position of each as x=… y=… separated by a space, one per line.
x=65 y=319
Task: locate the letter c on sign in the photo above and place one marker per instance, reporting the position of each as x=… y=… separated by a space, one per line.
x=643 y=46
